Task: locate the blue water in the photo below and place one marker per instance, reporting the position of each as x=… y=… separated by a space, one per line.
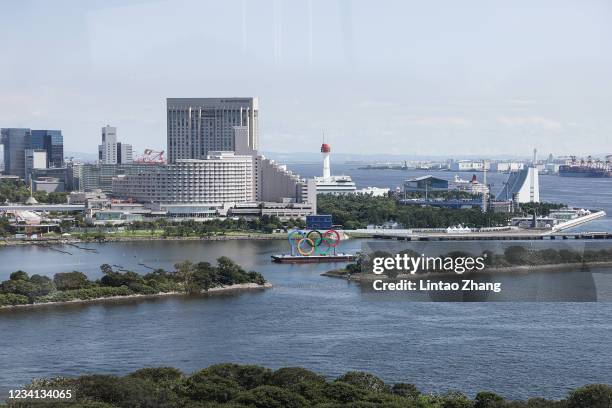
x=328 y=325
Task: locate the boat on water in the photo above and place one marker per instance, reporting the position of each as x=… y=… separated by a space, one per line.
x=589 y=167
x=584 y=171
x=341 y=257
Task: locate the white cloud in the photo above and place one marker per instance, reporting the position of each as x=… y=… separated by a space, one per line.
x=436 y=121
x=534 y=121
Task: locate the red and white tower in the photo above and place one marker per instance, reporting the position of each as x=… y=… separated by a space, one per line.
x=325 y=150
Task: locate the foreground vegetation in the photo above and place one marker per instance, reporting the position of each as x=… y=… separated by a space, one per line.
x=357 y=211
x=187 y=277
x=235 y=386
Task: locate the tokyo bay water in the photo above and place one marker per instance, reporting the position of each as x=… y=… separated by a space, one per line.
x=308 y=320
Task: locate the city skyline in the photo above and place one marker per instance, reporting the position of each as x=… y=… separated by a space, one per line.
x=320 y=67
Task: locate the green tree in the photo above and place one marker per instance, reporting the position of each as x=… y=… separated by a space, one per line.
x=247 y=376
x=591 y=396
x=455 y=399
x=71 y=280
x=159 y=375
x=488 y=399
x=267 y=396
x=185 y=273
x=19 y=275
x=517 y=255
x=203 y=386
x=405 y=390
x=5 y=227
x=43 y=285
x=365 y=381
x=288 y=376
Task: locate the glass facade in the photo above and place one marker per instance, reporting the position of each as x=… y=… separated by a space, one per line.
x=15 y=141
x=53 y=142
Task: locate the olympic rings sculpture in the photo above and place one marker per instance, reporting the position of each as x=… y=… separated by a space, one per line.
x=313 y=242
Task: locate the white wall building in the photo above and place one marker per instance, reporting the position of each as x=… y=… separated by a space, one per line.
x=467 y=165
x=273 y=182
x=522 y=186
x=374 y=191
x=111 y=151
x=222 y=177
x=34 y=159
x=506 y=167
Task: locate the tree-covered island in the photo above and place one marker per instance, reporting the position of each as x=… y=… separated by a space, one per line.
x=514 y=257
x=186 y=278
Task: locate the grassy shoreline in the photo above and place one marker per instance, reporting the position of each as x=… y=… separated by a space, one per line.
x=144 y=238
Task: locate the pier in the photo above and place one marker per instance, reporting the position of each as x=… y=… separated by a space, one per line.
x=497 y=236
x=495 y=233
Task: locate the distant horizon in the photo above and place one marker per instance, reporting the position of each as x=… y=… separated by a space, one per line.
x=314 y=157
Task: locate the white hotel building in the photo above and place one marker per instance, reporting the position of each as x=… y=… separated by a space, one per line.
x=222 y=178
x=214 y=163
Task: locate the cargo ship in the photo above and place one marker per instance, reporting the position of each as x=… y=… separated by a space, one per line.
x=313 y=258
x=583 y=171
x=576 y=170
x=589 y=167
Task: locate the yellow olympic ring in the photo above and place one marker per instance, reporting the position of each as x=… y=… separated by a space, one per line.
x=312 y=247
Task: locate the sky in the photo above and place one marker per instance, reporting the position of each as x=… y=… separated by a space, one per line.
x=377 y=77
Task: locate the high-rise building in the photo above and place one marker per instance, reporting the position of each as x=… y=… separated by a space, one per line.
x=109 y=134
x=53 y=142
x=111 y=151
x=15 y=141
x=124 y=153
x=197 y=126
x=34 y=159
x=107 y=151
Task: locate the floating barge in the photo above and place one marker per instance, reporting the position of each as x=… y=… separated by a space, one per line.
x=313 y=258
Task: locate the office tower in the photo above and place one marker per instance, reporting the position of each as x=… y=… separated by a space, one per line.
x=109 y=134
x=197 y=126
x=107 y=151
x=53 y=142
x=111 y=151
x=124 y=153
x=15 y=141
